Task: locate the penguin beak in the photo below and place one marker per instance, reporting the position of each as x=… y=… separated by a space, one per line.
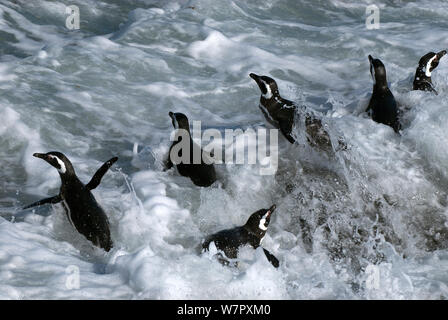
x=441 y=54
x=256 y=78
x=53 y=161
x=259 y=82
x=45 y=157
x=41 y=156
x=271 y=210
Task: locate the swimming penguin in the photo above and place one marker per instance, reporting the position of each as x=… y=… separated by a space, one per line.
x=280 y=113
x=427 y=64
x=201 y=173
x=252 y=233
x=80 y=205
x=382 y=103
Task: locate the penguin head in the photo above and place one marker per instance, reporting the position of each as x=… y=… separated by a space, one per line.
x=258 y=222
x=378 y=72
x=57 y=160
x=180 y=121
x=430 y=61
x=267 y=85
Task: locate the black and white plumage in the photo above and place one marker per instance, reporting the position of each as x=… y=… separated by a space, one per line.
x=252 y=233
x=426 y=65
x=280 y=113
x=82 y=210
x=202 y=174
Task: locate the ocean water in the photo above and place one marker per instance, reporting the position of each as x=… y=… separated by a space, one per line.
x=366 y=222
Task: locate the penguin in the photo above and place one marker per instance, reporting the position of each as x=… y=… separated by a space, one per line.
x=382 y=104
x=280 y=113
x=80 y=205
x=427 y=64
x=252 y=233
x=202 y=174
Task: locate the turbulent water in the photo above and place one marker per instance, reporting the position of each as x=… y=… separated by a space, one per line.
x=368 y=221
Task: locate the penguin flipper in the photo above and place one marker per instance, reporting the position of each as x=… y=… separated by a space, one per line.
x=96 y=179
x=286 y=129
x=52 y=200
x=271 y=258
x=431 y=89
x=425 y=86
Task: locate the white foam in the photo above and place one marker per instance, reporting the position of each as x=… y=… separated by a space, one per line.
x=115 y=80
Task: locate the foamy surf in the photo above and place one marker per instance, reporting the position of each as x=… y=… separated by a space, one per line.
x=366 y=222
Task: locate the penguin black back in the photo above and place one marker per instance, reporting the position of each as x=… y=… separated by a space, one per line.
x=252 y=233
x=201 y=173
x=382 y=103
x=280 y=113
x=80 y=205
x=427 y=64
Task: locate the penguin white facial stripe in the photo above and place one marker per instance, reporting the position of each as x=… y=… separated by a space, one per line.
x=428 y=66
x=262 y=224
x=63 y=169
x=268 y=94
